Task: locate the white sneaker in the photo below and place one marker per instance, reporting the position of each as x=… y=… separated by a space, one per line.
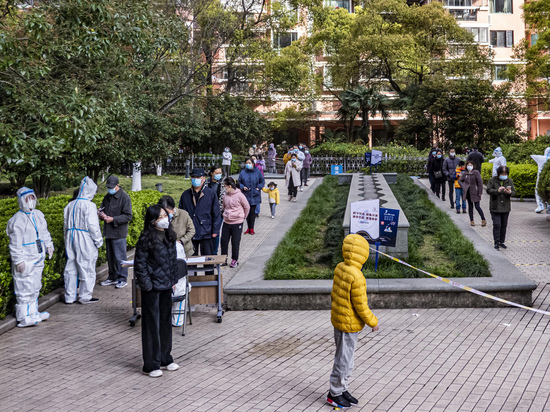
x=301 y=190
x=121 y=284
x=272 y=217
x=154 y=374
x=539 y=209
x=108 y=282
x=172 y=367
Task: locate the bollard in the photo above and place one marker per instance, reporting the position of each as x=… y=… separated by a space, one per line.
x=187 y=169
x=159 y=187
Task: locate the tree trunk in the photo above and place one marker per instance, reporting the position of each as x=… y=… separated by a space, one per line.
x=42 y=186
x=136 y=179
x=18 y=180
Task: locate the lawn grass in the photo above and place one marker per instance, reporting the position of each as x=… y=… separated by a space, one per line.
x=173 y=185
x=312 y=247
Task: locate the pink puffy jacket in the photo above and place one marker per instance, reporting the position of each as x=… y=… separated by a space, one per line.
x=235 y=207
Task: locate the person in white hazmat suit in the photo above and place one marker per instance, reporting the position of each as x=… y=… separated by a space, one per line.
x=541 y=161
x=82 y=240
x=30 y=241
x=498 y=161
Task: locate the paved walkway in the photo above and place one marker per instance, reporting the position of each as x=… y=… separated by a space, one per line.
x=87 y=358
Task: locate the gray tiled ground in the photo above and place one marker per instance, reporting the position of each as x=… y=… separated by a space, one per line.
x=87 y=358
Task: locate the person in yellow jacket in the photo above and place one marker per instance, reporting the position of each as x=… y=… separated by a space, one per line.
x=459 y=193
x=349 y=314
x=288 y=155
x=274 y=197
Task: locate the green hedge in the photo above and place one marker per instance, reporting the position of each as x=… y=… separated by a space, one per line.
x=544 y=183
x=408 y=167
x=523 y=175
x=53 y=211
x=521 y=152
x=351 y=149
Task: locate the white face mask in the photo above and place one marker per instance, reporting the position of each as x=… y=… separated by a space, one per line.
x=32 y=204
x=470 y=168
x=163 y=223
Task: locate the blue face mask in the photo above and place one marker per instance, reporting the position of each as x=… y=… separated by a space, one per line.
x=218 y=176
x=307 y=151
x=249 y=166
x=433 y=153
x=196 y=181
x=112 y=191
x=439 y=156
x=503 y=177
x=293 y=160
x=171 y=216
x=295 y=150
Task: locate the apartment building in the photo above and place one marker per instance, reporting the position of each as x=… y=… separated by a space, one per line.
x=494 y=23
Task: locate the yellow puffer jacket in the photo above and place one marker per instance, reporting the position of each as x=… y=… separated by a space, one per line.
x=350 y=310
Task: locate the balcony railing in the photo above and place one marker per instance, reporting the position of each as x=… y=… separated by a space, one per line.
x=464 y=15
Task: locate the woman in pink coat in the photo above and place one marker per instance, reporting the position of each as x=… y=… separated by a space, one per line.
x=235 y=211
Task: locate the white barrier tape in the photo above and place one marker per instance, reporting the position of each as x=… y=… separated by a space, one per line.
x=460 y=286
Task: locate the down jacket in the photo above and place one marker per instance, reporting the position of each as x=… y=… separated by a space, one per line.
x=350 y=310
x=156 y=268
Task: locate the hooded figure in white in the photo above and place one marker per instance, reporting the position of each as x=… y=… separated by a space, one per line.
x=541 y=161
x=30 y=241
x=82 y=240
x=498 y=161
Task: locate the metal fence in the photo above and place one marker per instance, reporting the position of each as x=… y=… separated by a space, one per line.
x=321 y=164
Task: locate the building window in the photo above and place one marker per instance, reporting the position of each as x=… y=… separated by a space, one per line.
x=283 y=40
x=327 y=77
x=501 y=6
x=339 y=4
x=500 y=72
x=502 y=38
x=457 y=3
x=534 y=39
x=481 y=34
x=464 y=15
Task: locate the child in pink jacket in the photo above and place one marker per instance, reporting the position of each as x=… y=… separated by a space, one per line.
x=235 y=211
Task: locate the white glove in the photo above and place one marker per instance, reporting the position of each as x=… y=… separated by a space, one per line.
x=20 y=267
x=49 y=251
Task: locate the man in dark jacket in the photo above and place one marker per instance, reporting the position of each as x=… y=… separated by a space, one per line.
x=431 y=157
x=449 y=170
x=477 y=158
x=116 y=212
x=202 y=205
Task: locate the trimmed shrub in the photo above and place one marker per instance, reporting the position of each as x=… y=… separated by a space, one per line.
x=544 y=183
x=350 y=149
x=408 y=167
x=53 y=211
x=521 y=152
x=523 y=175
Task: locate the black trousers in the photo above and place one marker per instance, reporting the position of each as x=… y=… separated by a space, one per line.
x=156 y=329
x=471 y=207
x=204 y=247
x=451 y=184
x=500 y=223
x=116 y=251
x=251 y=218
x=233 y=233
x=439 y=188
x=292 y=190
x=431 y=178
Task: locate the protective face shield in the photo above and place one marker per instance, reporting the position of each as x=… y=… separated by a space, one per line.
x=196 y=181
x=497 y=152
x=163 y=223
x=27 y=199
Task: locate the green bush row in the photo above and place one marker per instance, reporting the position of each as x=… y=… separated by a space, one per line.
x=351 y=149
x=408 y=167
x=53 y=211
x=544 y=183
x=521 y=152
x=523 y=175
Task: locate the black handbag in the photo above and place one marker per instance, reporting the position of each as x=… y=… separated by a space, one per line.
x=438 y=174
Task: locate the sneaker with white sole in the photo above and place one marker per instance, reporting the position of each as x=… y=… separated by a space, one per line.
x=121 y=284
x=272 y=217
x=87 y=302
x=301 y=190
x=108 y=282
x=172 y=367
x=234 y=264
x=154 y=374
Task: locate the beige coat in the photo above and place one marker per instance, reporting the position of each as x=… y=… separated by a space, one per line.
x=294 y=172
x=185 y=230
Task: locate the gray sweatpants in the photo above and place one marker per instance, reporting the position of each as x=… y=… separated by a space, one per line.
x=343 y=361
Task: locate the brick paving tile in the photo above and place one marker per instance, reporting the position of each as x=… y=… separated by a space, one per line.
x=88 y=358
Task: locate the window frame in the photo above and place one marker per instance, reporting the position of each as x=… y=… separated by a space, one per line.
x=501 y=38
x=278 y=37
x=492 y=6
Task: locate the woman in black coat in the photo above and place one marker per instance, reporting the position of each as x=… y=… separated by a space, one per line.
x=436 y=169
x=156 y=271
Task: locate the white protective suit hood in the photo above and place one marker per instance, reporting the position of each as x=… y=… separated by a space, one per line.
x=88 y=189
x=497 y=152
x=22 y=198
x=547 y=152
